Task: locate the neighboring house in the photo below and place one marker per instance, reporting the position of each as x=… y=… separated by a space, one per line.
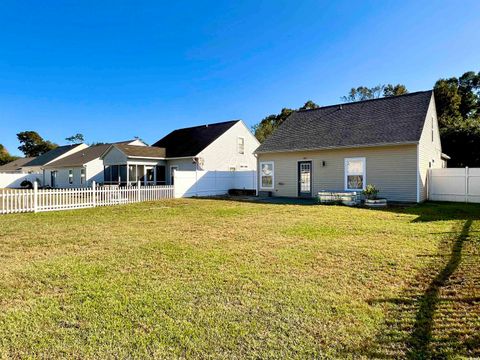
x=37 y=165
x=389 y=142
x=16 y=166
x=82 y=167
x=226 y=146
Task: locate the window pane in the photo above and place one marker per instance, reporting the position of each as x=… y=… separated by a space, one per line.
x=267 y=181
x=355 y=182
x=267 y=169
x=355 y=167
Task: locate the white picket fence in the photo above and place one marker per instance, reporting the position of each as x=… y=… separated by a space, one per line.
x=38 y=200
x=454 y=184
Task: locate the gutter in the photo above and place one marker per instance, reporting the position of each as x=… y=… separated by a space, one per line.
x=339 y=147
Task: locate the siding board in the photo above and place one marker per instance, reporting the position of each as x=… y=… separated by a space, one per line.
x=392 y=169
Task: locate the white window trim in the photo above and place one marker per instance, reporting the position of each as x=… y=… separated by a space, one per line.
x=83 y=175
x=273 y=174
x=238 y=145
x=345 y=173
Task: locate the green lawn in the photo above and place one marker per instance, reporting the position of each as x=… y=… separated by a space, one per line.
x=223 y=279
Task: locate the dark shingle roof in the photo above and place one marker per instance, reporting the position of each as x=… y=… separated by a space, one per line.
x=15 y=164
x=81 y=157
x=391 y=120
x=51 y=155
x=141 y=151
x=191 y=141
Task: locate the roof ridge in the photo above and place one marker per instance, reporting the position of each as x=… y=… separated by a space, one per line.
x=366 y=100
x=207 y=125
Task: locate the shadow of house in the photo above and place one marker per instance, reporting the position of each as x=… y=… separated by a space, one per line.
x=438 y=314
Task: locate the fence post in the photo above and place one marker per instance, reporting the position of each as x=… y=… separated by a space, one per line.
x=35 y=196
x=94 y=195
x=466 y=184
x=138 y=190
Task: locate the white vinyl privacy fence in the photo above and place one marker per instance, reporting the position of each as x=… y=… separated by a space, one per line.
x=454 y=184
x=37 y=200
x=210 y=183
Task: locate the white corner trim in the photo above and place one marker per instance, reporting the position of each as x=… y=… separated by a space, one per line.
x=418 y=173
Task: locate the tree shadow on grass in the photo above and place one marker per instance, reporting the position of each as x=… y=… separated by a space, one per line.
x=438 y=316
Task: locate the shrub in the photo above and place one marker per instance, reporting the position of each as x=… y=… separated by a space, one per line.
x=370 y=192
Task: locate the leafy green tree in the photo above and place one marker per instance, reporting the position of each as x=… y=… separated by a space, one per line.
x=458 y=109
x=364 y=93
x=394 y=90
x=32 y=144
x=269 y=124
x=5 y=156
x=76 y=139
x=309 y=105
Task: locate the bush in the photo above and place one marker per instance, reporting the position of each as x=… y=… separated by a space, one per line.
x=370 y=192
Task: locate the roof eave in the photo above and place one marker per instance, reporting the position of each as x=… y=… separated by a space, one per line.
x=339 y=147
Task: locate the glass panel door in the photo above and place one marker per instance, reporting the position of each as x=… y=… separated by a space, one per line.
x=305 y=178
x=149 y=174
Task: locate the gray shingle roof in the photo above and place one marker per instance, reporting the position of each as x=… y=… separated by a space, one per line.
x=142 y=151
x=191 y=141
x=80 y=158
x=51 y=155
x=15 y=164
x=392 y=120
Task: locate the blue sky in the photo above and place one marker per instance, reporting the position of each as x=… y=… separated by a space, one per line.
x=117 y=69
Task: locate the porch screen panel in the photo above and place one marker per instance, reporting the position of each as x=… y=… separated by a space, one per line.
x=132 y=173
x=161 y=175
x=140 y=173
x=107 y=174
x=114 y=174
x=123 y=174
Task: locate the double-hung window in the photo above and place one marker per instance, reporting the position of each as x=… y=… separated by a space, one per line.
x=355 y=174
x=82 y=176
x=267 y=175
x=241 y=145
x=70 y=176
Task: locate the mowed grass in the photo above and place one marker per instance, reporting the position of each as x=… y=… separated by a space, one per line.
x=222 y=279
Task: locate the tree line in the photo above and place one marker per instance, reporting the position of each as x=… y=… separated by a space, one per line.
x=33 y=145
x=458 y=110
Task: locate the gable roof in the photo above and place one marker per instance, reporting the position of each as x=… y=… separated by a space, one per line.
x=51 y=155
x=141 y=151
x=385 y=121
x=191 y=141
x=15 y=164
x=80 y=158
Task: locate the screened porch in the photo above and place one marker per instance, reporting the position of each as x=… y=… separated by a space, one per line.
x=132 y=174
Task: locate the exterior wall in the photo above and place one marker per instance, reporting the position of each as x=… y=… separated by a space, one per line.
x=183 y=165
x=429 y=151
x=62 y=178
x=223 y=154
x=392 y=169
x=94 y=172
x=114 y=157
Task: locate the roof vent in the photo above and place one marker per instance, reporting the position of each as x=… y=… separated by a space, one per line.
x=340 y=107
